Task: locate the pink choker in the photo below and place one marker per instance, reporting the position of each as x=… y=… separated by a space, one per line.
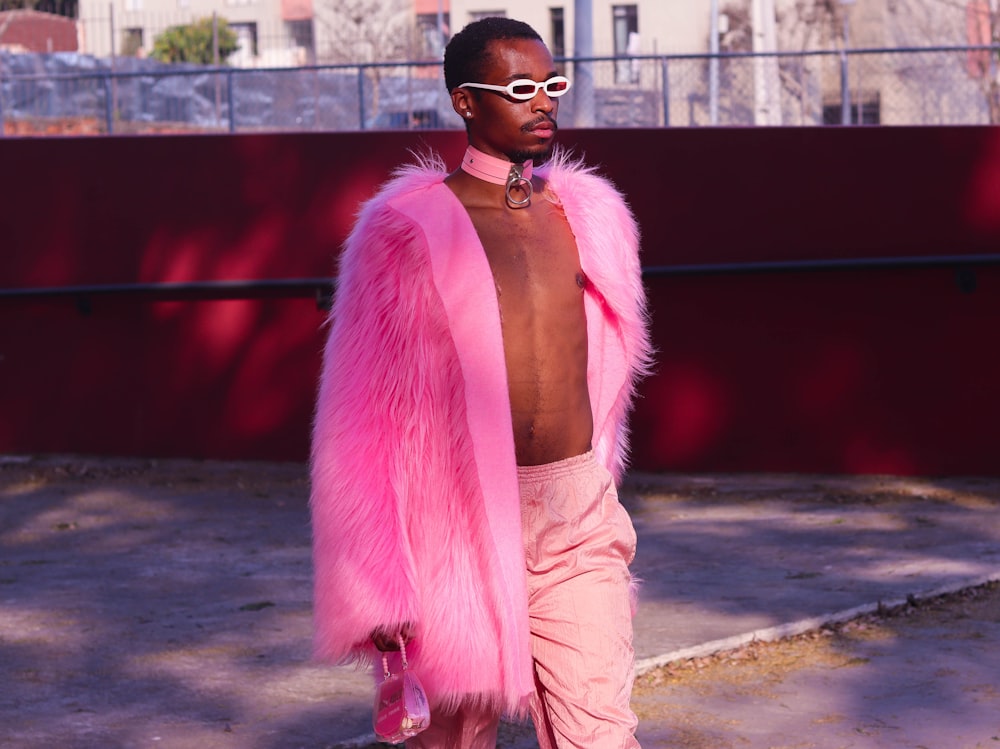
x=500 y=172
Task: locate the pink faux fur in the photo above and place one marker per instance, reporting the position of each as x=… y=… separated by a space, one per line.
x=414 y=492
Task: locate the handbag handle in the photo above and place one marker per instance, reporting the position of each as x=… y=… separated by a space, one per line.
x=385 y=657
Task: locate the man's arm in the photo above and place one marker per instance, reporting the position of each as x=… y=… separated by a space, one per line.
x=363 y=575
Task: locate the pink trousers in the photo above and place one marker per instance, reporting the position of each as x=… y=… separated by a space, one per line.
x=578 y=543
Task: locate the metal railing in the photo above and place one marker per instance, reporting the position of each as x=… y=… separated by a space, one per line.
x=83 y=296
x=322 y=289
x=63 y=93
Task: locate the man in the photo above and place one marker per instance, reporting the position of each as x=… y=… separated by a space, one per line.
x=487 y=333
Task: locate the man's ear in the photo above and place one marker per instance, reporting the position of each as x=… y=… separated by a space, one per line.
x=462 y=102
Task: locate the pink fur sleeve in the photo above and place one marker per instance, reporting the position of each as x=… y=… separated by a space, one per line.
x=363 y=572
x=608 y=238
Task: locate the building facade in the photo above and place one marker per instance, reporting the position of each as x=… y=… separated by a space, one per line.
x=274 y=33
x=641 y=27
x=781 y=61
x=784 y=68
x=271 y=33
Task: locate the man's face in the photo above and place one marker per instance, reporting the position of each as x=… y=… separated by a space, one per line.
x=505 y=127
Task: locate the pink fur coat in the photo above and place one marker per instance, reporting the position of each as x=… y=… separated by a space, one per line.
x=415 y=506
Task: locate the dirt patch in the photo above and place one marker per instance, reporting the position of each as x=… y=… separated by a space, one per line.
x=872 y=491
x=721 y=701
x=757 y=664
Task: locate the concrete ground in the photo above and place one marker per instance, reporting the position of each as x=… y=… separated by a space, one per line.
x=166 y=604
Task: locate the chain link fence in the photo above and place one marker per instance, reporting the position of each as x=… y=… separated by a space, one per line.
x=67 y=93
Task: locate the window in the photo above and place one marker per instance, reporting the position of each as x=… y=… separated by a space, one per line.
x=866 y=109
x=246 y=44
x=132 y=42
x=625 y=27
x=557 y=31
x=301 y=36
x=476 y=15
x=432 y=39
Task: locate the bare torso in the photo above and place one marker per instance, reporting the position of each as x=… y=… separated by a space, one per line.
x=540 y=288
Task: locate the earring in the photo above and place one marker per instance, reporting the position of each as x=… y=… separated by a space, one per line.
x=468 y=113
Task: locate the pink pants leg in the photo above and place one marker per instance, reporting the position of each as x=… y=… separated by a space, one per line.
x=579 y=541
x=467 y=728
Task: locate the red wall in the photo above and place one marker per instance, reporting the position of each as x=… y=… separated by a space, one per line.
x=862 y=370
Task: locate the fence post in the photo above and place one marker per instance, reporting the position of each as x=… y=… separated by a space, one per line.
x=361 y=97
x=584 y=107
x=232 y=104
x=215 y=64
x=845 y=90
x=713 y=64
x=665 y=72
x=108 y=104
x=113 y=95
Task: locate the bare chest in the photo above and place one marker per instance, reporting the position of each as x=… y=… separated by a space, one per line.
x=533 y=256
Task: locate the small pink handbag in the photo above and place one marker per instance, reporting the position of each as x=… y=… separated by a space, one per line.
x=401 y=709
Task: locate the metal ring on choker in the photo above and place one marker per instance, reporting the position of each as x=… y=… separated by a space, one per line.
x=516 y=181
x=500 y=172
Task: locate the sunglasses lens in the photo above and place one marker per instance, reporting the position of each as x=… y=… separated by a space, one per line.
x=523 y=89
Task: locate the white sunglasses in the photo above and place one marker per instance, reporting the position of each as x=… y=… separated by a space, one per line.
x=524 y=89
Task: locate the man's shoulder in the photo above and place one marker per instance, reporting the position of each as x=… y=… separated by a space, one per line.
x=574 y=181
x=408 y=181
x=599 y=214
x=390 y=225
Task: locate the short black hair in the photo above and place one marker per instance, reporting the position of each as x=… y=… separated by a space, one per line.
x=467 y=54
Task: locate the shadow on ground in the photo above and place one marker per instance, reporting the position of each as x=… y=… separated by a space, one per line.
x=167 y=603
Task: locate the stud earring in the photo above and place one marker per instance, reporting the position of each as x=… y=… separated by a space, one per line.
x=468 y=113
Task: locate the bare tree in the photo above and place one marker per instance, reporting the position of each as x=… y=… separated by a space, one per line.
x=804 y=25
x=981 y=28
x=954 y=22
x=740 y=29
x=801 y=25
x=365 y=31
x=820 y=24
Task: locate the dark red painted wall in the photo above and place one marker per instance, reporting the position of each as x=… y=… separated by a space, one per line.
x=865 y=370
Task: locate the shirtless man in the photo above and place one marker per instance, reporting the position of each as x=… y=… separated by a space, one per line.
x=487 y=334
x=534 y=260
